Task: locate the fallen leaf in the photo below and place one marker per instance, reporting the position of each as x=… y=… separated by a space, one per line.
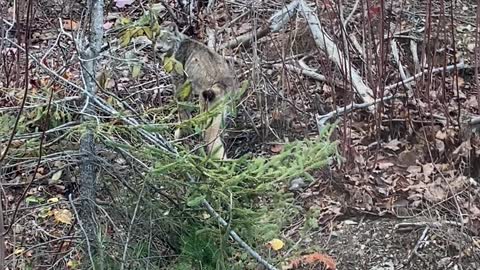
x=382 y=165
x=53 y=200
x=70 y=25
x=72 y=264
x=63 y=216
x=414 y=169
x=393 y=145
x=440 y=145
x=441 y=135
x=56 y=176
x=435 y=193
x=45 y=212
x=312 y=259
x=276 y=244
x=108 y=25
x=471 y=47
x=123 y=3
x=136 y=70
x=428 y=170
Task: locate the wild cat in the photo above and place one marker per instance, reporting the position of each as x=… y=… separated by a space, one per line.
x=211 y=78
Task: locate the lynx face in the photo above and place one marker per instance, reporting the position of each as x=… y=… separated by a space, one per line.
x=169 y=38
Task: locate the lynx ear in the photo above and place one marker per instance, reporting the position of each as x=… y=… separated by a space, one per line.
x=169 y=26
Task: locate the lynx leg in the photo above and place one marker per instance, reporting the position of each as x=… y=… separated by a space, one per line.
x=212 y=135
x=213 y=139
x=183 y=114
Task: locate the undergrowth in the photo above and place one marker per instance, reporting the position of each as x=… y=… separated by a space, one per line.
x=250 y=193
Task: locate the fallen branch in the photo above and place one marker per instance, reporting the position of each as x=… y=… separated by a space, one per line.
x=449 y=68
x=245 y=39
x=321 y=119
x=277 y=21
x=281 y=17
x=308 y=73
x=325 y=43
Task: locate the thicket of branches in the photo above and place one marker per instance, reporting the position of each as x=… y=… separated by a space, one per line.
x=90 y=171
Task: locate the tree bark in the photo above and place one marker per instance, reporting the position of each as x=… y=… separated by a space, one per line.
x=88 y=168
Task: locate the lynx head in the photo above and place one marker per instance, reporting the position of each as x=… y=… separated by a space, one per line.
x=169 y=38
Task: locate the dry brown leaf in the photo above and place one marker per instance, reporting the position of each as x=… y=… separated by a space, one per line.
x=472 y=102
x=460 y=80
x=393 y=145
x=414 y=169
x=428 y=170
x=408 y=158
x=382 y=165
x=312 y=259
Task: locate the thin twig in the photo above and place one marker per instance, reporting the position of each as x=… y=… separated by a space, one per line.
x=125 y=248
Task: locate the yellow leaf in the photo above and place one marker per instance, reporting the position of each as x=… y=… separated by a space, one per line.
x=73 y=264
x=138 y=32
x=185 y=91
x=276 y=244
x=53 y=200
x=125 y=38
x=178 y=67
x=155 y=28
x=148 y=32
x=168 y=64
x=63 y=216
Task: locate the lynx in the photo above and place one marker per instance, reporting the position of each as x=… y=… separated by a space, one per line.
x=211 y=78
